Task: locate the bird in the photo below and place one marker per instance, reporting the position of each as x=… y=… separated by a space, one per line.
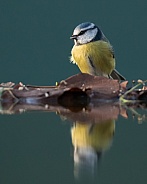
x=92 y=52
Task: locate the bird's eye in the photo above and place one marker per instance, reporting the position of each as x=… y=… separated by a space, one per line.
x=82 y=32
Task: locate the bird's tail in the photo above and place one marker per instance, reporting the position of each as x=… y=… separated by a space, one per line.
x=116 y=75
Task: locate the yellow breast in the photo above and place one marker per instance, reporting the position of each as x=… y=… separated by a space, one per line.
x=95 y=58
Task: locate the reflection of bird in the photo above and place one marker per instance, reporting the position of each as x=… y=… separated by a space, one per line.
x=97 y=136
x=92 y=52
x=90 y=141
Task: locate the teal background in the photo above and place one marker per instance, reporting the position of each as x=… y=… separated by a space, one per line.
x=35 y=49
x=34 y=37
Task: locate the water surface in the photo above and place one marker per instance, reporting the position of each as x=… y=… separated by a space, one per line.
x=39 y=147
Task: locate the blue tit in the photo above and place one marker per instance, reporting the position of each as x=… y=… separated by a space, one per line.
x=92 y=52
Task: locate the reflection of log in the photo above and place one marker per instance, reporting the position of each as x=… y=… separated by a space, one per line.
x=100 y=113
x=76 y=91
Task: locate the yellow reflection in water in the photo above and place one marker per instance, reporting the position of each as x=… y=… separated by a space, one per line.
x=90 y=141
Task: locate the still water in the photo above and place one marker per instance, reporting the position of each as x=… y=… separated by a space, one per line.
x=73 y=147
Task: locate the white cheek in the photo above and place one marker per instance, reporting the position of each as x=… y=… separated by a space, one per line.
x=83 y=39
x=75 y=42
x=88 y=36
x=91 y=34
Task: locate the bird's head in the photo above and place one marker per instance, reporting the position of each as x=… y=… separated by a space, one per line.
x=85 y=33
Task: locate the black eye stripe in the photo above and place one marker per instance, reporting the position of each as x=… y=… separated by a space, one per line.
x=83 y=31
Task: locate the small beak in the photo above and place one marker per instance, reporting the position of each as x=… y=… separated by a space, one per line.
x=73 y=37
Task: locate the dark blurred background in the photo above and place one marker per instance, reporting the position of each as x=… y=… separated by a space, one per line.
x=34 y=37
